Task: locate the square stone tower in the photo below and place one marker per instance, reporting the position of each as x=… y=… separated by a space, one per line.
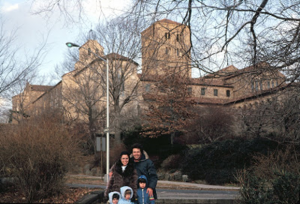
x=166 y=49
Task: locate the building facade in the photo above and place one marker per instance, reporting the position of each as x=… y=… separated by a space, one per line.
x=81 y=94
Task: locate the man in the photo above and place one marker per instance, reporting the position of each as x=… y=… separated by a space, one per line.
x=144 y=166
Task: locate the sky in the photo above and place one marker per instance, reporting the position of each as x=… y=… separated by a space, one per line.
x=34 y=29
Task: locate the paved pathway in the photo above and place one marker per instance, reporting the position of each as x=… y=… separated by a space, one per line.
x=181 y=190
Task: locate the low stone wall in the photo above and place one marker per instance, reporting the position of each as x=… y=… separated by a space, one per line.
x=175 y=176
x=87 y=170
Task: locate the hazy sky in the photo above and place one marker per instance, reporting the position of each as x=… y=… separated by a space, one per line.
x=33 y=29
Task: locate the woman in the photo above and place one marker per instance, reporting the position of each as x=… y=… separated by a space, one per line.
x=123 y=174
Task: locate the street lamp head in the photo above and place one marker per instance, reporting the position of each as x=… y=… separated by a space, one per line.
x=69 y=44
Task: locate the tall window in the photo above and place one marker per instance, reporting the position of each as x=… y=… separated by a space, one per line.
x=147 y=87
x=228 y=93
x=190 y=91
x=215 y=92
x=261 y=85
x=167 y=35
x=178 y=37
x=202 y=91
x=167 y=50
x=269 y=84
x=178 y=52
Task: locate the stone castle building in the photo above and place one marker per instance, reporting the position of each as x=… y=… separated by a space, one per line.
x=165 y=51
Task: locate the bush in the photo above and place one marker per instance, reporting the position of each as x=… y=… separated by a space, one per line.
x=254 y=190
x=274 y=176
x=172 y=162
x=217 y=163
x=37 y=153
x=285 y=188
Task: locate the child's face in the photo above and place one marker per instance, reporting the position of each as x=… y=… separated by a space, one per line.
x=115 y=201
x=127 y=196
x=142 y=185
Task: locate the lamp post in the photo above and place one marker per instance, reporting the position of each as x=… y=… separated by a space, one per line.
x=70 y=45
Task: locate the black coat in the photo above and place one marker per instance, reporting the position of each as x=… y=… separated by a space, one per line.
x=118 y=179
x=146 y=167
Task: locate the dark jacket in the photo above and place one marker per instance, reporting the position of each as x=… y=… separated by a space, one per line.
x=118 y=179
x=146 y=167
x=142 y=195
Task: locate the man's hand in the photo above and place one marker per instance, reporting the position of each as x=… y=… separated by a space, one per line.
x=110 y=174
x=150 y=192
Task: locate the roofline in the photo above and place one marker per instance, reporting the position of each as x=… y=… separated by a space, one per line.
x=260 y=94
x=101 y=60
x=163 y=21
x=46 y=92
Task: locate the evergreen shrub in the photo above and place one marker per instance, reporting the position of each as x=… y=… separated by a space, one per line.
x=218 y=162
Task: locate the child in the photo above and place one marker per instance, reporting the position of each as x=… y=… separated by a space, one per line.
x=126 y=195
x=143 y=197
x=114 y=197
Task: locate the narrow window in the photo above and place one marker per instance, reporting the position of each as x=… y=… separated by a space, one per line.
x=178 y=37
x=190 y=91
x=202 y=91
x=256 y=86
x=261 y=85
x=167 y=35
x=123 y=87
x=252 y=86
x=179 y=53
x=276 y=83
x=147 y=87
x=167 y=50
x=215 y=92
x=228 y=93
x=89 y=51
x=272 y=84
x=269 y=84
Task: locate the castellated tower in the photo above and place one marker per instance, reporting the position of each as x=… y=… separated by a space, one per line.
x=166 y=49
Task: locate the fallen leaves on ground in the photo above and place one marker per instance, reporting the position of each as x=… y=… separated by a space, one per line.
x=71 y=195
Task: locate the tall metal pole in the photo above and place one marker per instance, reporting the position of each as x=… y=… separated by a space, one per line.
x=107 y=122
x=69 y=44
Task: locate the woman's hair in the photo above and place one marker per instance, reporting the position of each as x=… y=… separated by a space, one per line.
x=130 y=166
x=124 y=153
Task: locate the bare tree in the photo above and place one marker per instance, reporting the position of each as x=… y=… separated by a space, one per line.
x=169 y=106
x=234 y=32
x=277 y=117
x=82 y=96
x=211 y=124
x=85 y=91
x=15 y=68
x=121 y=39
x=223 y=32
